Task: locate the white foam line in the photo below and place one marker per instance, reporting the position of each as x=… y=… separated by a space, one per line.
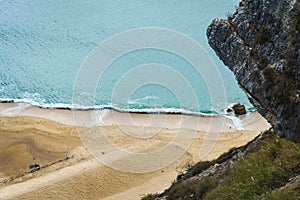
x=237 y=122
x=101 y=115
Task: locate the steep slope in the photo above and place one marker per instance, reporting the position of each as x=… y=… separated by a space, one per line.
x=260 y=43
x=266 y=168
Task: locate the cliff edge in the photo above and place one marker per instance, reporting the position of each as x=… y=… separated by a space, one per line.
x=260 y=43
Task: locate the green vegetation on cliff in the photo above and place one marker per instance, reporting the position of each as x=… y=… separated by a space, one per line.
x=271 y=166
x=268 y=166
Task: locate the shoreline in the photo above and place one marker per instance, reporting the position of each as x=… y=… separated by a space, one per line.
x=172 y=111
x=47 y=134
x=107 y=117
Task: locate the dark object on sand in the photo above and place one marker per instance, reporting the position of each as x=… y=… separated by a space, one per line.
x=34 y=167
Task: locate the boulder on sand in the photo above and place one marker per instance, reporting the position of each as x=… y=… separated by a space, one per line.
x=239 y=109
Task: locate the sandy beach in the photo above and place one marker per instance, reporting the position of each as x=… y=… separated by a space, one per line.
x=28 y=132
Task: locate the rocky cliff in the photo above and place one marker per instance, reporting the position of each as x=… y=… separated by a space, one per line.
x=260 y=43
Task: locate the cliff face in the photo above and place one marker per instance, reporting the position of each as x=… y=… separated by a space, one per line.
x=260 y=43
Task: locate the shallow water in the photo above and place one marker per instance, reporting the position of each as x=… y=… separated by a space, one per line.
x=43 y=44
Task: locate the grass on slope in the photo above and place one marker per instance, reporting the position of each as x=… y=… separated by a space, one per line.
x=268 y=167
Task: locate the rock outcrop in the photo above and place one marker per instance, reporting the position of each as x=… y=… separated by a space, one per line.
x=260 y=43
x=239 y=109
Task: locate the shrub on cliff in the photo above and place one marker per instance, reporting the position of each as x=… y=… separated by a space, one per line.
x=263 y=36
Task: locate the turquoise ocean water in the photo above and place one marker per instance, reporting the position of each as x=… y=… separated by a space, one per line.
x=43 y=43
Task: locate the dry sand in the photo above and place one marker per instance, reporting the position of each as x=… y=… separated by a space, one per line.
x=46 y=135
